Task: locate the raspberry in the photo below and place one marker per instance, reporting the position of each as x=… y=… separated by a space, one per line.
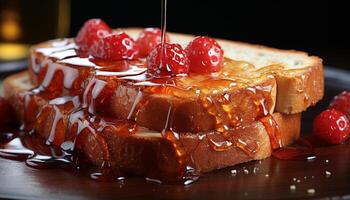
x=341 y=102
x=91 y=32
x=174 y=60
x=115 y=47
x=148 y=39
x=205 y=55
x=331 y=126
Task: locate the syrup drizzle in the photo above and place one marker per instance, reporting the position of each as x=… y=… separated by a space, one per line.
x=303 y=149
x=273 y=131
x=295 y=153
x=163 y=29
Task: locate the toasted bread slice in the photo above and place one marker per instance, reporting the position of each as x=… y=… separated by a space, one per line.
x=151 y=153
x=299 y=85
x=236 y=96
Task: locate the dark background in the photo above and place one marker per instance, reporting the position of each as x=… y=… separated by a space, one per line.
x=318 y=27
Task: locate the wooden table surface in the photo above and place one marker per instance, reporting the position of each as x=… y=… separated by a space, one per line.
x=267 y=179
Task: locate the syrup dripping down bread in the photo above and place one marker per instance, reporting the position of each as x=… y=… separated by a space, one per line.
x=148 y=152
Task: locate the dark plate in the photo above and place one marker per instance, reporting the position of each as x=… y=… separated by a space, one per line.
x=272 y=178
x=12 y=66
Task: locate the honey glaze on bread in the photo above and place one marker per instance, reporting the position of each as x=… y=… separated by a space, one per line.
x=78 y=100
x=192 y=98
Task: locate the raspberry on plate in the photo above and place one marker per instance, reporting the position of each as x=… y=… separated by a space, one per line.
x=205 y=55
x=174 y=60
x=115 y=46
x=148 y=39
x=91 y=32
x=331 y=126
x=341 y=102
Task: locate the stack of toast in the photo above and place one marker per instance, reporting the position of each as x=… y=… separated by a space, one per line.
x=115 y=115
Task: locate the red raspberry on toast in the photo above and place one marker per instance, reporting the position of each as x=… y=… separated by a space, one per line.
x=92 y=31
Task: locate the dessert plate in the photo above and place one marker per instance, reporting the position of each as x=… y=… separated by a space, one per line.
x=326 y=176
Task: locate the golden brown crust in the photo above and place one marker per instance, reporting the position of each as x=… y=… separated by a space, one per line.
x=289 y=126
x=188 y=115
x=206 y=159
x=297 y=91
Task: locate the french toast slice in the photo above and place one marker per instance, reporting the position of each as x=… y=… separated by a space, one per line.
x=278 y=81
x=299 y=77
x=236 y=96
x=148 y=153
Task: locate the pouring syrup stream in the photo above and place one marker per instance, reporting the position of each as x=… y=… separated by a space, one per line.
x=163 y=29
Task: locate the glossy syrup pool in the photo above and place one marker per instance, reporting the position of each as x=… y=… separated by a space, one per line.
x=32 y=150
